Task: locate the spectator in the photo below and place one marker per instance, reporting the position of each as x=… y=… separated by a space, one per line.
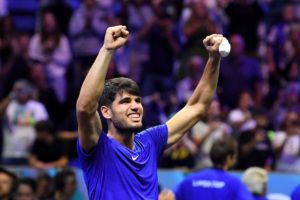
x=180 y=154
x=161 y=36
x=244 y=17
x=255 y=145
x=8 y=184
x=51 y=47
x=26 y=189
x=87 y=28
x=215 y=183
x=44 y=187
x=287 y=144
x=256 y=179
x=196 y=27
x=188 y=83
x=140 y=16
x=47 y=150
x=66 y=186
x=247 y=75
x=241 y=118
x=21 y=114
x=206 y=132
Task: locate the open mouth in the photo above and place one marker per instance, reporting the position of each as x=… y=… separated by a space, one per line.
x=134 y=116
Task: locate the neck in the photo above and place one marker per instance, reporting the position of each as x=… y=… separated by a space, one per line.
x=125 y=139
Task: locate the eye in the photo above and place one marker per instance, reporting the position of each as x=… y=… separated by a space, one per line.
x=138 y=100
x=125 y=101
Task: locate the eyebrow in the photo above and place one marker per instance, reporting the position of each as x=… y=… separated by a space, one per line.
x=129 y=99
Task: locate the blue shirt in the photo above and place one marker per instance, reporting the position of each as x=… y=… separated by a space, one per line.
x=212 y=184
x=296 y=193
x=112 y=171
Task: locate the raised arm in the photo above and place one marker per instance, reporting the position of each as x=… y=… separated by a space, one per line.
x=201 y=98
x=89 y=124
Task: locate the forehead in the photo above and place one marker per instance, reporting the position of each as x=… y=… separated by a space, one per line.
x=124 y=94
x=4 y=176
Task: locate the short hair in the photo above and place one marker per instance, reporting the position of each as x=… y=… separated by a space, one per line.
x=60 y=178
x=221 y=149
x=30 y=182
x=45 y=126
x=255 y=178
x=117 y=85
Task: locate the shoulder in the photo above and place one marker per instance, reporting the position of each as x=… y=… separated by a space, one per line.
x=152 y=130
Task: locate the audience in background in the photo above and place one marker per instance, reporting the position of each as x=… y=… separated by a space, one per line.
x=259 y=85
x=26 y=189
x=47 y=150
x=8 y=184
x=21 y=114
x=50 y=47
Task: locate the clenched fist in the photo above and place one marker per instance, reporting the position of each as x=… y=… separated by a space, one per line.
x=212 y=43
x=115 y=37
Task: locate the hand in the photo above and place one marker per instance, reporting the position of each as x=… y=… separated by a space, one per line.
x=115 y=37
x=166 y=195
x=212 y=43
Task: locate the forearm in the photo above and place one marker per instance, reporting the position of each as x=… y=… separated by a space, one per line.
x=62 y=162
x=93 y=84
x=206 y=87
x=3 y=105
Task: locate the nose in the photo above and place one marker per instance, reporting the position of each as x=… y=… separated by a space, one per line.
x=135 y=106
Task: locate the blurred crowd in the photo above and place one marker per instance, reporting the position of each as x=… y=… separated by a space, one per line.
x=62 y=186
x=257 y=100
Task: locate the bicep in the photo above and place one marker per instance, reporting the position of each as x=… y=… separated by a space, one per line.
x=89 y=128
x=185 y=119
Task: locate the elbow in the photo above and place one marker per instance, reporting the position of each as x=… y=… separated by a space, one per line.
x=85 y=107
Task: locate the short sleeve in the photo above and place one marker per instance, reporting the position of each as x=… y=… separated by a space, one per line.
x=159 y=136
x=87 y=158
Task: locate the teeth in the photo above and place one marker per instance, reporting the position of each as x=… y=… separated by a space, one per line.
x=134 y=115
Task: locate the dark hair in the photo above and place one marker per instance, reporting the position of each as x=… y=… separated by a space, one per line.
x=60 y=178
x=30 y=182
x=13 y=177
x=45 y=126
x=221 y=149
x=117 y=85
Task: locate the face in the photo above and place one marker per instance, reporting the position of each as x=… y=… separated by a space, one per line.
x=24 y=192
x=70 y=185
x=5 y=185
x=49 y=22
x=126 y=112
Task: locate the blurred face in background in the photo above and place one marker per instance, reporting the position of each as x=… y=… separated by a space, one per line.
x=70 y=185
x=22 y=92
x=6 y=184
x=237 y=45
x=49 y=22
x=89 y=4
x=24 y=192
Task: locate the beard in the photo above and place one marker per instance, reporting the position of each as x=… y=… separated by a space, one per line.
x=125 y=129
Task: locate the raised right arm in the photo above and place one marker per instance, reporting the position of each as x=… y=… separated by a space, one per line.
x=89 y=124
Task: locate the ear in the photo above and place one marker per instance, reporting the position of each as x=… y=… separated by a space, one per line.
x=106 y=112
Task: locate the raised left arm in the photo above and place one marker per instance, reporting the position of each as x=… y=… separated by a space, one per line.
x=202 y=96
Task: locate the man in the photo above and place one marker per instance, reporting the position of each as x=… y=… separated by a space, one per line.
x=47 y=150
x=8 y=184
x=122 y=163
x=256 y=179
x=21 y=114
x=215 y=183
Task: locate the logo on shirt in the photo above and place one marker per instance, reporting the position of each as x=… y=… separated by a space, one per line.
x=208 y=183
x=134 y=157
